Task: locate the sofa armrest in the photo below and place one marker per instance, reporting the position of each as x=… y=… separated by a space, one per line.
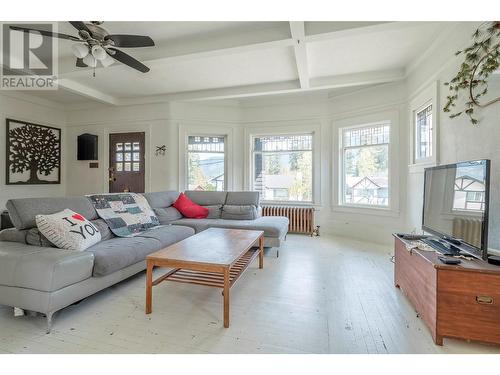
x=42 y=268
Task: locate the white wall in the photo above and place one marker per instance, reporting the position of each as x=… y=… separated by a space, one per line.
x=459 y=140
x=26 y=108
x=165 y=123
x=168 y=123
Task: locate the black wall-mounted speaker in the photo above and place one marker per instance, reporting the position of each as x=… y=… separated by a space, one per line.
x=87 y=147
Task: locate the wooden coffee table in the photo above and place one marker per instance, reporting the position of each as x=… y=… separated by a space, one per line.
x=215 y=257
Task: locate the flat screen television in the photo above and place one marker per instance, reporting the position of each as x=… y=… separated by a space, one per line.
x=456 y=200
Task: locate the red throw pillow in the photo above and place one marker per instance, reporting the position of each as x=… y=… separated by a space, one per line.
x=190 y=209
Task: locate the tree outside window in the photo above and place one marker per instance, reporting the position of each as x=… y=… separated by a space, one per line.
x=206 y=163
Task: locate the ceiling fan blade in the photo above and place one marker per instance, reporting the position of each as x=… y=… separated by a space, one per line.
x=80 y=63
x=79 y=25
x=127 y=60
x=46 y=33
x=130 y=41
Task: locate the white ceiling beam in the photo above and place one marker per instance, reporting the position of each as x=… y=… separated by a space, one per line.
x=357 y=79
x=88 y=92
x=347 y=80
x=298 y=35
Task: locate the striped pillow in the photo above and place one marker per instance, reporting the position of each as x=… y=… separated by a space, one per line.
x=68 y=230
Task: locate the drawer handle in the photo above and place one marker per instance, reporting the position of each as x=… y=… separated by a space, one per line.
x=484 y=300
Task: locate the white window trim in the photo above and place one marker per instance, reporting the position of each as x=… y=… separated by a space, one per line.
x=209 y=131
x=388 y=117
x=427 y=96
x=295 y=129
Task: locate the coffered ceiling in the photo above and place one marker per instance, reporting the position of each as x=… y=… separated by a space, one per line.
x=234 y=60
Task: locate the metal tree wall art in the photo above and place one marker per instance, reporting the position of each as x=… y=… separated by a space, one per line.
x=482 y=59
x=33 y=153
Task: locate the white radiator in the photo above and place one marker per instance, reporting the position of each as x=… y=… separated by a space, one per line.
x=468 y=229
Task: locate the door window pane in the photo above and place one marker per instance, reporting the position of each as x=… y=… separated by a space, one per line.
x=128 y=146
x=136 y=146
x=135 y=167
x=128 y=156
x=119 y=147
x=126 y=167
x=206 y=163
x=119 y=167
x=136 y=156
x=282 y=169
x=119 y=156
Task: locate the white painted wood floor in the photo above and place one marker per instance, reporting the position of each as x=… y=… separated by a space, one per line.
x=322 y=295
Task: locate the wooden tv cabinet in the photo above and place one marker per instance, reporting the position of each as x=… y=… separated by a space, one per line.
x=461 y=301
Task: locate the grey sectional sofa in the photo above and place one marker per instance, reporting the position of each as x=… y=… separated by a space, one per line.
x=38 y=277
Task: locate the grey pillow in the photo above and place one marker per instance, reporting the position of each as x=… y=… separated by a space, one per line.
x=13 y=235
x=101 y=225
x=35 y=238
x=167 y=215
x=214 y=211
x=235 y=212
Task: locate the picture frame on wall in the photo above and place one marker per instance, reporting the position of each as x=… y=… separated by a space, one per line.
x=33 y=153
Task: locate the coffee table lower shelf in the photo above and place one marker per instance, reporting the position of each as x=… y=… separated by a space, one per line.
x=206 y=278
x=220 y=269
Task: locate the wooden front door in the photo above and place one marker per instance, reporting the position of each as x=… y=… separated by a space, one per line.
x=126 y=162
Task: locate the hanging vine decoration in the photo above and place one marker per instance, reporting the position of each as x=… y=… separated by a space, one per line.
x=482 y=58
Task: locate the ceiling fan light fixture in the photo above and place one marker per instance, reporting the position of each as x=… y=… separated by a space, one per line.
x=90 y=60
x=107 y=61
x=99 y=53
x=80 y=50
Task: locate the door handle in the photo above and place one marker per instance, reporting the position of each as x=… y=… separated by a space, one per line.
x=112 y=177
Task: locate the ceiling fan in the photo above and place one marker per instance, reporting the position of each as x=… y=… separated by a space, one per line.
x=96 y=44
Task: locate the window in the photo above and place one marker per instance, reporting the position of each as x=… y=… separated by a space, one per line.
x=282 y=167
x=206 y=163
x=365 y=167
x=423 y=133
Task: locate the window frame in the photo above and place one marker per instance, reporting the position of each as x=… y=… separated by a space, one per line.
x=277 y=129
x=252 y=166
x=428 y=96
x=195 y=129
x=391 y=116
x=187 y=151
x=341 y=197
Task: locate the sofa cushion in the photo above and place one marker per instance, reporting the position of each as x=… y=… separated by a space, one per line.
x=199 y=225
x=23 y=211
x=243 y=198
x=214 y=211
x=35 y=238
x=206 y=198
x=273 y=226
x=161 y=199
x=190 y=209
x=101 y=225
x=68 y=230
x=236 y=212
x=42 y=268
x=13 y=235
x=168 y=234
x=119 y=252
x=167 y=215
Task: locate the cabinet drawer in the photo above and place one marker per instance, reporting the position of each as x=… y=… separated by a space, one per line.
x=469 y=305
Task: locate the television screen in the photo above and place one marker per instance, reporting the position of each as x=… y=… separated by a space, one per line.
x=456 y=204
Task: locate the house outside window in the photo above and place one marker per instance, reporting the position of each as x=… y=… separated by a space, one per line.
x=206 y=163
x=283 y=167
x=365 y=167
x=469 y=194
